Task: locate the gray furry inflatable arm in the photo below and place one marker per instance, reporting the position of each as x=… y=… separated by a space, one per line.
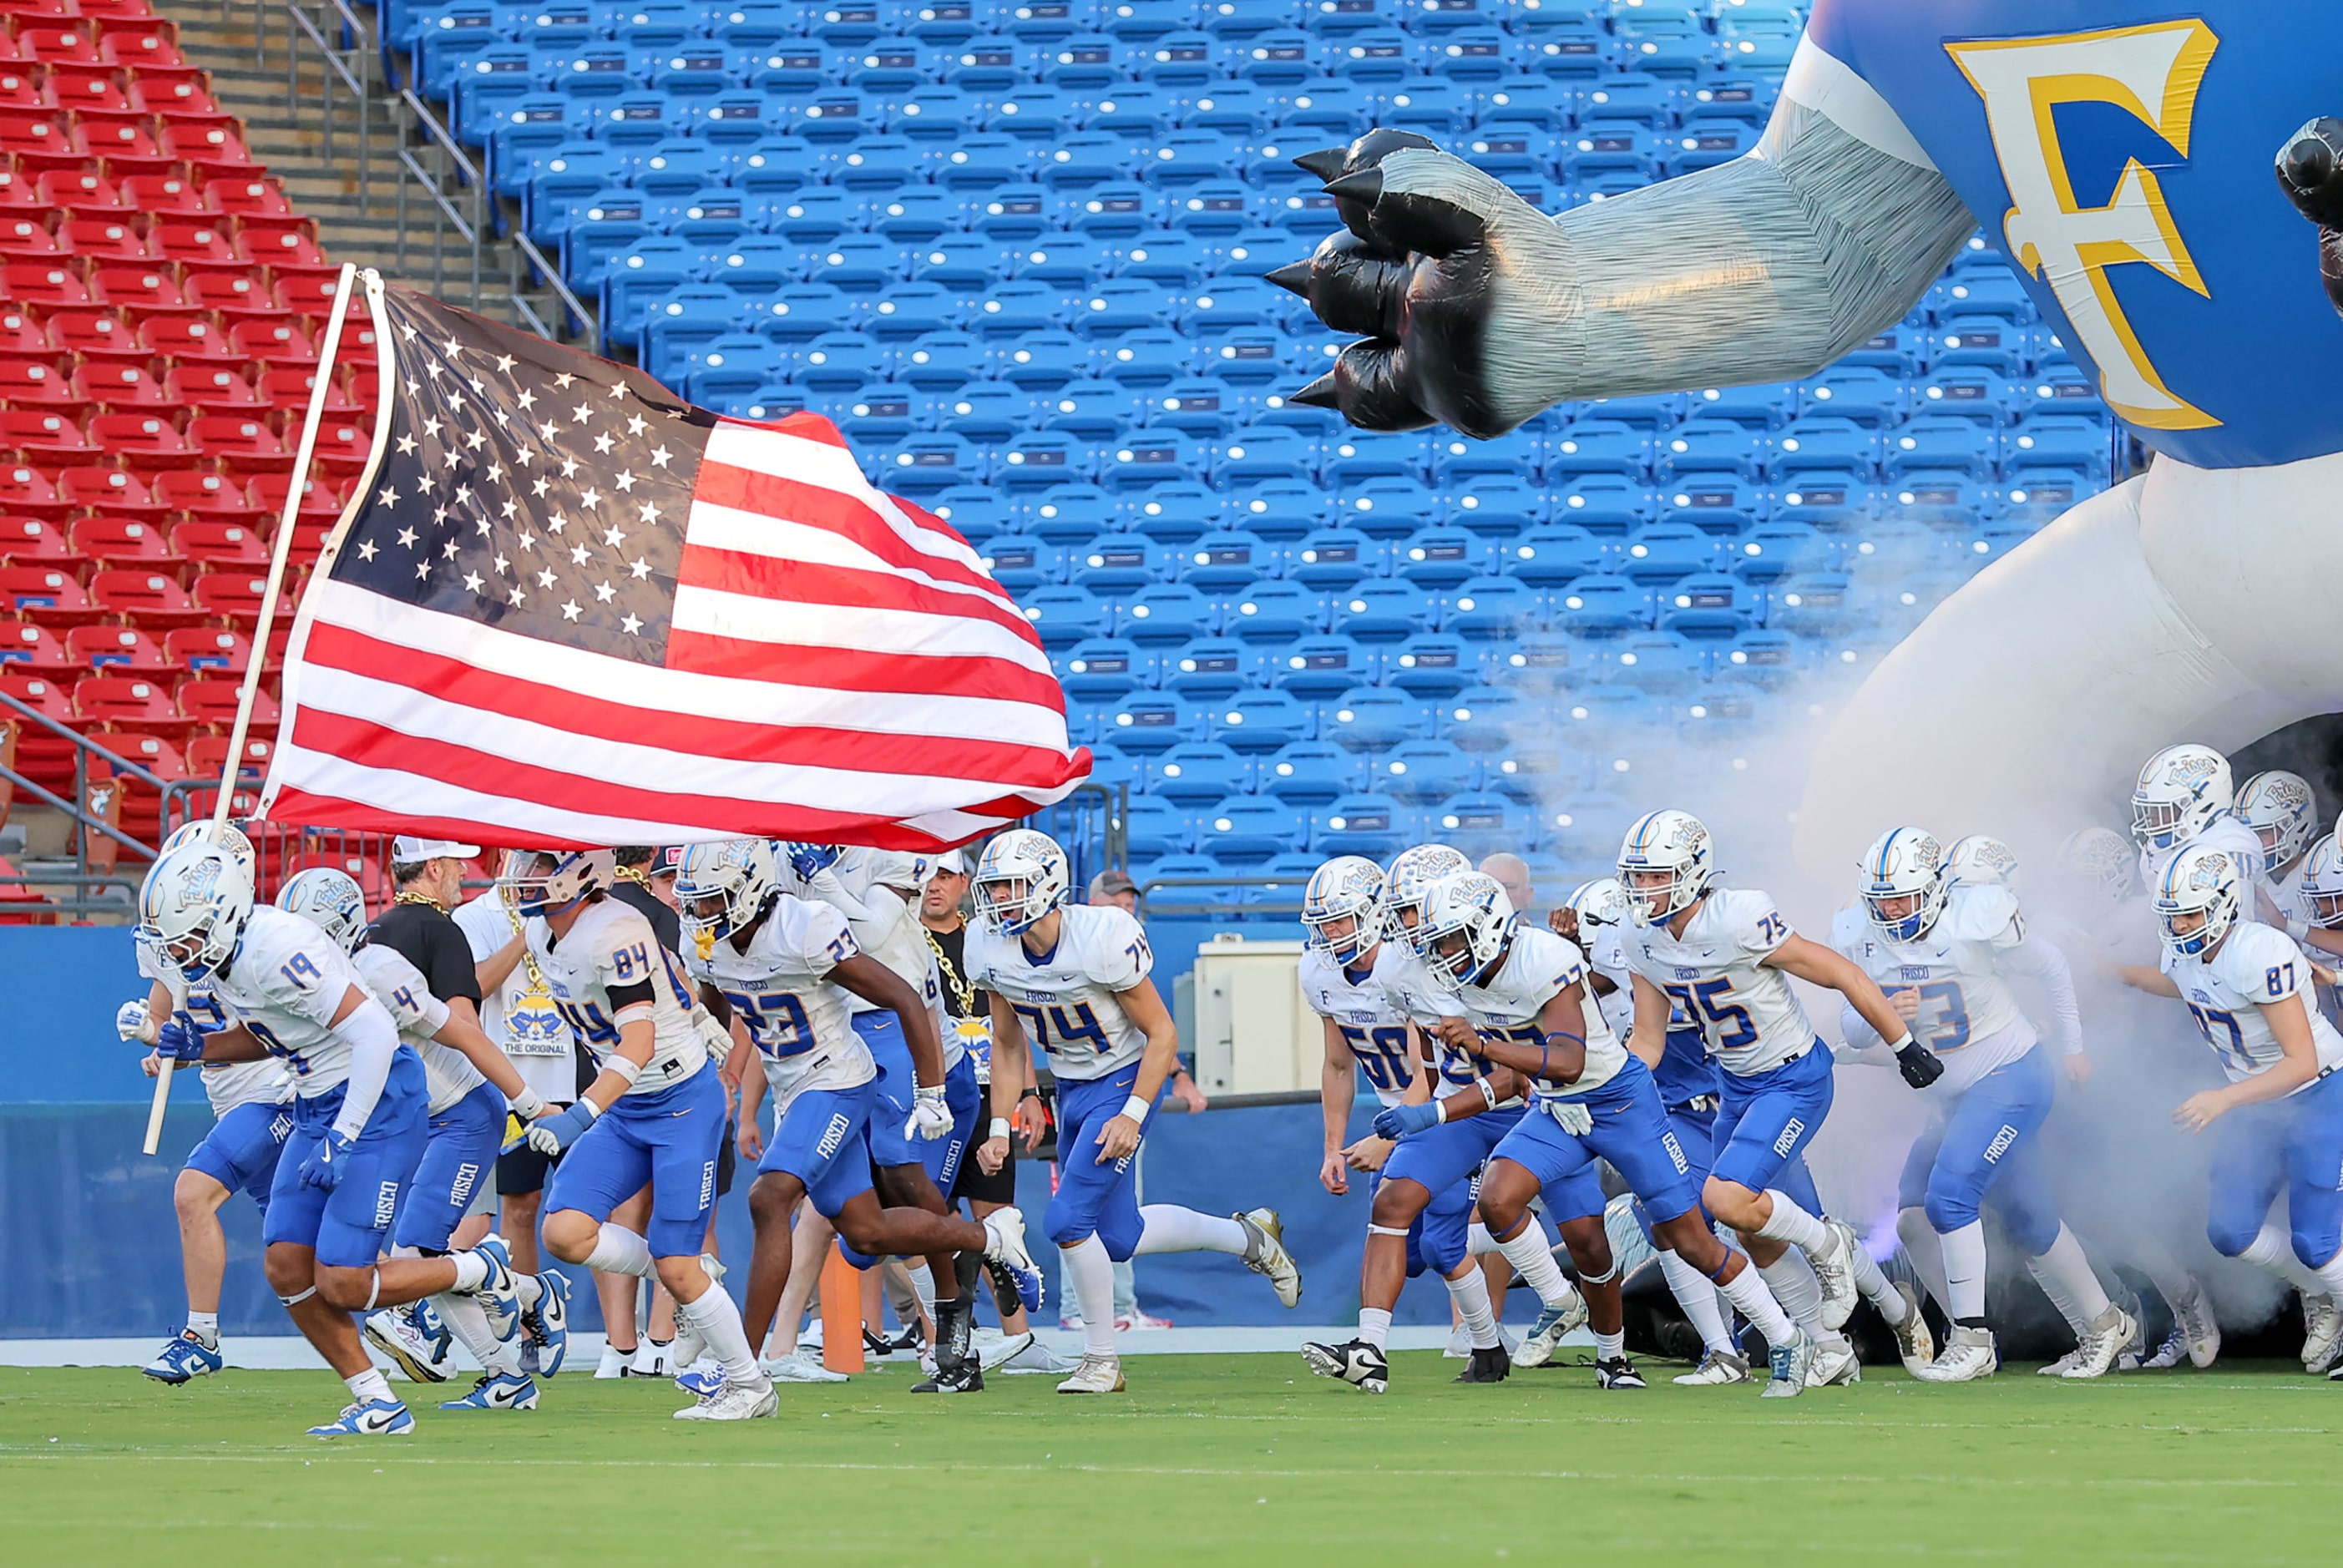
x=1477 y=310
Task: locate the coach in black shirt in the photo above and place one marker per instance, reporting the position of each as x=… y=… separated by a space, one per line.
x=429 y=875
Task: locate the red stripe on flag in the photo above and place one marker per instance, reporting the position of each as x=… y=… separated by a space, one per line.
x=853 y=669
x=849 y=516
x=803 y=582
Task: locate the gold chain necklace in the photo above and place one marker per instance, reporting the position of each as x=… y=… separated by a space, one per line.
x=633 y=874
x=536 y=976
x=423 y=898
x=963 y=990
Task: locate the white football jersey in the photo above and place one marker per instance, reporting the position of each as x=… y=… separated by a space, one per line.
x=520 y=1019
x=867 y=886
x=1362 y=1014
x=284 y=984
x=613 y=945
x=227 y=1084
x=1070 y=997
x=1747 y=1014
x=2243 y=846
x=1968 y=1016
x=1538 y=966
x=399 y=985
x=1606 y=955
x=2257 y=965
x=2286 y=893
x=1416 y=997
x=779 y=990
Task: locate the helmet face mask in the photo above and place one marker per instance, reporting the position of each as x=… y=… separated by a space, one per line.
x=2282 y=811
x=1468 y=925
x=2322 y=883
x=2197 y=901
x=1904 y=883
x=1664 y=865
x=2098 y=858
x=1021 y=876
x=722 y=888
x=2180 y=793
x=1413 y=873
x=192 y=907
x=548 y=882
x=1342 y=907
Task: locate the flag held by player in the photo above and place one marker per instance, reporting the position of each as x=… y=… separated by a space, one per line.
x=566 y=608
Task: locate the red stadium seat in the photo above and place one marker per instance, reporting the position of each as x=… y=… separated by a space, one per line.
x=29 y=649
x=211 y=701
x=57 y=42
x=272 y=246
x=180 y=240
x=121 y=543
x=252 y=194
x=289 y=389
x=119 y=387
x=81 y=193
x=208 y=650
x=27 y=491
x=117 y=651
x=46 y=596
x=82 y=86
x=211 y=388
x=279 y=341
x=213 y=496
x=232 y=292
x=142 y=803
x=34 y=384
x=152 y=599
x=188 y=339
x=166 y=195
x=21 y=335
x=207 y=756
x=321 y=498
x=342 y=445
x=117 y=490
x=240 y=446
x=133 y=288
x=211 y=149
x=39 y=283
x=171 y=95
x=126 y=699
x=96 y=239
x=233 y=596
x=44 y=438
x=96 y=332
x=39 y=693
x=145 y=442
x=144 y=41
x=30 y=238
x=34 y=541
x=123 y=146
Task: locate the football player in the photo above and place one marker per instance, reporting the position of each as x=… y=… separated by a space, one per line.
x=359 y=1117
x=783 y=968
x=654 y=1115
x=2182 y=799
x=1720 y=957
x=1939 y=948
x=1342 y=913
x=470 y=1085
x=2282 y=813
x=1523 y=995
x=1072 y=979
x=2278 y=1120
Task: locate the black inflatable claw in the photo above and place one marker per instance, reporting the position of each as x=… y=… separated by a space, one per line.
x=1293 y=277
x=2311 y=172
x=1323 y=165
x=1319 y=394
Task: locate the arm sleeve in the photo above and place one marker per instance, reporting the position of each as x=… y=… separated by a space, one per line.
x=373 y=1040
x=2040 y=958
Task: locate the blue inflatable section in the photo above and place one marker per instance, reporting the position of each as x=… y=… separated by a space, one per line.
x=90 y=1248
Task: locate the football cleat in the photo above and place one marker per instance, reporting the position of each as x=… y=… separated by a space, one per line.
x=1460 y=1344
x=799 y=1367
x=497 y=1390
x=909 y=1337
x=1021 y=1354
x=1786 y=1367
x=1915 y=1344
x=183 y=1358
x=2058 y=1368
x=498 y=1296
x=1834 y=1264
x=2103 y=1339
x=876 y=1347
x=734 y=1401
x=547 y=1323
x=1835 y=1362
x=1537 y=1346
x=1096 y=1374
x=368 y=1418
x=1265 y=1253
x=2194 y=1318
x=423 y=1357
x=1004 y=1252
x=1968 y=1355
x=653 y=1359
x=1355 y=1362
x=1139 y=1320
x=614 y=1363
x=2170 y=1354
x=1488 y=1364
x=1617 y=1371
x=701 y=1381
x=2322 y=1323
x=1716 y=1369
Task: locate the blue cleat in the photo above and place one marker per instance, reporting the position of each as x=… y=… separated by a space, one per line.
x=498 y=1295
x=547 y=1324
x=185 y=1359
x=370 y=1418
x=1005 y=1254
x=497 y=1390
x=701 y=1381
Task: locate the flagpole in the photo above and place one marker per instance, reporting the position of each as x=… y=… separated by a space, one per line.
x=279 y=556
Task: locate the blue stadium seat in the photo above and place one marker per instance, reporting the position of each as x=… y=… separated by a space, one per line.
x=1391 y=508
x=1989 y=342
x=1811 y=604
x=1703 y=446
x=1154 y=828
x=1486 y=609
x=1430 y=665
x=1379 y=609
x=1371 y=718
x=1717 y=504
x=1868 y=394
x=2066 y=443
x=1176 y=513
x=1419 y=772
x=1482 y=823
x=1062 y=615
x=1599 y=447
x=1439 y=559
x=1272 y=611
x=839 y=362
x=1540 y=662
x=1668 y=47
x=1664 y=552
x=1101 y=669
x=1603 y=606
x=1766 y=659
x=1941 y=443
x=1023 y=562
x=1198 y=773
x=1044 y=361
x=1260 y=453
x=1375 y=826
x=1709 y=605
x=1308 y=773
x=1973 y=394
x=1332 y=558
x=1117 y=563
x=1563 y=42
x=1606 y=504
x=1224 y=558
x=989 y=411
x=1498 y=505
x=978 y=512
x=1319 y=666
x=942 y=361
x=1481 y=719
x=1210 y=668
x=1245 y=831
x=1253 y=722
x=1149 y=722
x=734 y=365
x=1280 y=509
x=1943 y=499
x=1147 y=359
x=1823 y=441
x=1658 y=664
x=1774 y=549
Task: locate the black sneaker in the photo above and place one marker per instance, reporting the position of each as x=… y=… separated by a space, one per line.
x=1617 y=1371
x=1490 y=1365
x=908 y=1337
x=958 y=1368
x=1355 y=1362
x=876 y=1346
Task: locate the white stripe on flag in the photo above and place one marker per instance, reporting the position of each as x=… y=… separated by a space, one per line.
x=810 y=462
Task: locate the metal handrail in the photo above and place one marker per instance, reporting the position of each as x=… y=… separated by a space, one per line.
x=588 y=323
x=120 y=765
x=1147 y=890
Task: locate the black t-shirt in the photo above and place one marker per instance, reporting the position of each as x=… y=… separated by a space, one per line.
x=435 y=944
x=960 y=999
x=665 y=924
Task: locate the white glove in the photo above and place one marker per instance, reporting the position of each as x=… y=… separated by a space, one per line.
x=712 y=1034
x=930 y=1117
x=1574 y=1117
x=131 y=1022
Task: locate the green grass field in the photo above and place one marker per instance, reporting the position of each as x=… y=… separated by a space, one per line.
x=1217 y=1459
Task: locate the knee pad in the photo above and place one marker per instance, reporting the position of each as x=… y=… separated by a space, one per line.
x=1948 y=1212
x=2230 y=1240
x=2316 y=1248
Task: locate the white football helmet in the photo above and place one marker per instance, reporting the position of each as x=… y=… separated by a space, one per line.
x=2199 y=881
x=193 y=907
x=2180 y=793
x=2280 y=808
x=1669 y=841
x=1413 y=872
x=1467 y=922
x=2322 y=883
x=2099 y=859
x=545 y=881
x=329 y=900
x=1604 y=902
x=228 y=836
x=1906 y=866
x=1348 y=887
x=1980 y=861
x=1022 y=876
x=722 y=888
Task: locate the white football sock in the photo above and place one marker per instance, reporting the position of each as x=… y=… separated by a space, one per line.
x=1470 y=1291
x=2054 y=1286
x=1533 y=1260
x=1926 y=1252
x=2330 y=1276
x=370 y=1385
x=2274 y=1250
x=1610 y=1347
x=1091 y=1272
x=1374 y=1327
x=1172 y=1228
x=1871 y=1284
x=2076 y=1281
x=2151 y=1257
x=619 y=1251
x=469 y=1321
x=1790 y=1224
x=716 y=1317
x=1747 y=1291
x=204 y=1326
x=1697 y=1294
x=1964 y=1271
x=1479 y=1244
x=1792 y=1280
x=529 y=1288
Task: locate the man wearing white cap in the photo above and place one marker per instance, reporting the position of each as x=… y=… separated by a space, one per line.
x=429 y=875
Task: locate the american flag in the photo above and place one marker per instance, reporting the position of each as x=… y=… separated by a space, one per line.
x=567 y=608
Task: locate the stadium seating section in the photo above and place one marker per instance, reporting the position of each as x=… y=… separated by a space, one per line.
x=1015 y=250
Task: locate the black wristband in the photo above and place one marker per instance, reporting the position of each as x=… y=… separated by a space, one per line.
x=1030 y=1093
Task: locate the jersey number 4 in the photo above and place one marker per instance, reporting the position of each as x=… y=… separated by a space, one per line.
x=1083 y=1027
